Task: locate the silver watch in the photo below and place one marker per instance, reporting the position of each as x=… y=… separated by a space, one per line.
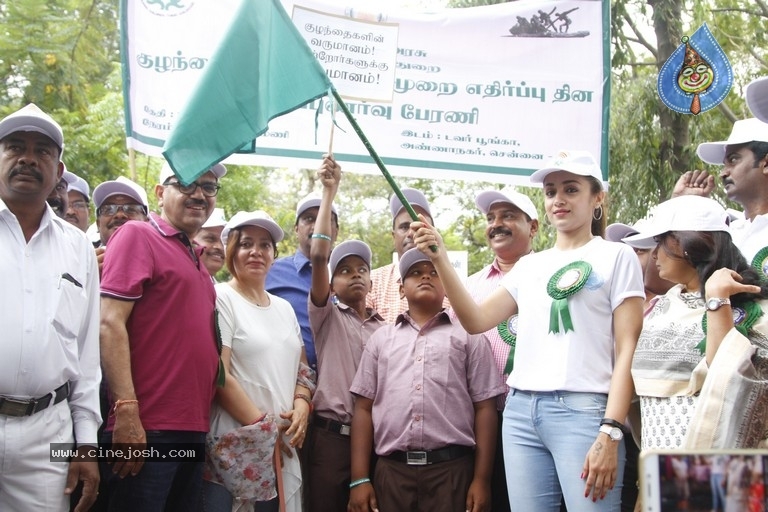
x=715 y=303
x=614 y=433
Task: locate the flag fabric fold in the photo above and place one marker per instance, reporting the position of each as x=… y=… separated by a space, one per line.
x=262 y=69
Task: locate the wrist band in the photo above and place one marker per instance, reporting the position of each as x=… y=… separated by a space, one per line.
x=359 y=481
x=304 y=397
x=120 y=403
x=612 y=422
x=321 y=236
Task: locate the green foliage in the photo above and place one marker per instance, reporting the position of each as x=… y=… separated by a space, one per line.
x=64 y=56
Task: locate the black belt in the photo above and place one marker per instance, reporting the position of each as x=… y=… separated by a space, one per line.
x=15 y=407
x=331 y=425
x=423 y=458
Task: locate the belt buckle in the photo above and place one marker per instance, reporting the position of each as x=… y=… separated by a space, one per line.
x=11 y=407
x=416 y=458
x=345 y=430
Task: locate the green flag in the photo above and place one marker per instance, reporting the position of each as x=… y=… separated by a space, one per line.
x=262 y=69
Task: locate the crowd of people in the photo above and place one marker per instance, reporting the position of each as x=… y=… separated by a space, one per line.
x=313 y=382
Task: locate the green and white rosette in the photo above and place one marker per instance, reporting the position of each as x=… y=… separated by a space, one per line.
x=760 y=262
x=508 y=332
x=564 y=283
x=745 y=315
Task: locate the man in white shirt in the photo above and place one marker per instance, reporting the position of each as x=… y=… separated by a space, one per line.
x=49 y=317
x=744 y=175
x=744 y=157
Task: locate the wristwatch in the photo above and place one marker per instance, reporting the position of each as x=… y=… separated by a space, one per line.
x=615 y=433
x=715 y=303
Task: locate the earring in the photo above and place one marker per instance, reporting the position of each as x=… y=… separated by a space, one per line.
x=600 y=215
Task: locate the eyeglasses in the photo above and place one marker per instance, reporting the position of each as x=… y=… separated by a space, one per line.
x=209 y=189
x=78 y=205
x=130 y=210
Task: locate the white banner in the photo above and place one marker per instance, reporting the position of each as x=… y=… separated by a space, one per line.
x=480 y=93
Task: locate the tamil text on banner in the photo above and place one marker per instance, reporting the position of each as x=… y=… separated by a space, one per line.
x=480 y=93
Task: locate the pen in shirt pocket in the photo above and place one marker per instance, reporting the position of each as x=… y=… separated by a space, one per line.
x=67 y=277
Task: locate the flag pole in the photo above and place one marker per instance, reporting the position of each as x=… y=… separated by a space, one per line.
x=376 y=158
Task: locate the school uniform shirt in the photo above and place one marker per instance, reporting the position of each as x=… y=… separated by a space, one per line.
x=340 y=336
x=424 y=383
x=49 y=317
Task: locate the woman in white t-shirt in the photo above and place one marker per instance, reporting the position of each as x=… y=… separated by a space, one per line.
x=267 y=382
x=579 y=313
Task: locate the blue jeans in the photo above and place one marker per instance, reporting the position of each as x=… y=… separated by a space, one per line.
x=546 y=437
x=160 y=486
x=718 y=491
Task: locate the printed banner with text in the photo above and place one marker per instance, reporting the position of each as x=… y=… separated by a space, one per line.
x=479 y=93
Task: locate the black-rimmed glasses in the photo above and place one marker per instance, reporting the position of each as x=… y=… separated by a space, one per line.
x=130 y=210
x=209 y=189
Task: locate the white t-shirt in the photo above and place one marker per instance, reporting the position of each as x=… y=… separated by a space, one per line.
x=750 y=236
x=582 y=359
x=266 y=348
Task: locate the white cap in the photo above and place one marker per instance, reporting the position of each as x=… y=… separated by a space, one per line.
x=415 y=197
x=68 y=177
x=311 y=200
x=258 y=218
x=350 y=248
x=216 y=219
x=121 y=185
x=166 y=172
x=743 y=131
x=80 y=185
x=487 y=198
x=616 y=231
x=757 y=98
x=409 y=259
x=576 y=162
x=682 y=213
x=32 y=119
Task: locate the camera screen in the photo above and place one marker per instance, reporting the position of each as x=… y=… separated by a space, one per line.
x=717 y=483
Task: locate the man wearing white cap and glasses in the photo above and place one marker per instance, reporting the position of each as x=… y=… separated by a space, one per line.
x=209 y=237
x=160 y=354
x=511 y=225
x=78 y=210
x=117 y=202
x=49 y=314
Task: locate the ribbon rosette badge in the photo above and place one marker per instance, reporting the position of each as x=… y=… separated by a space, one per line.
x=564 y=283
x=760 y=262
x=508 y=332
x=697 y=76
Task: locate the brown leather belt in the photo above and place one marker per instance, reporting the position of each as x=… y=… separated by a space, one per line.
x=16 y=407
